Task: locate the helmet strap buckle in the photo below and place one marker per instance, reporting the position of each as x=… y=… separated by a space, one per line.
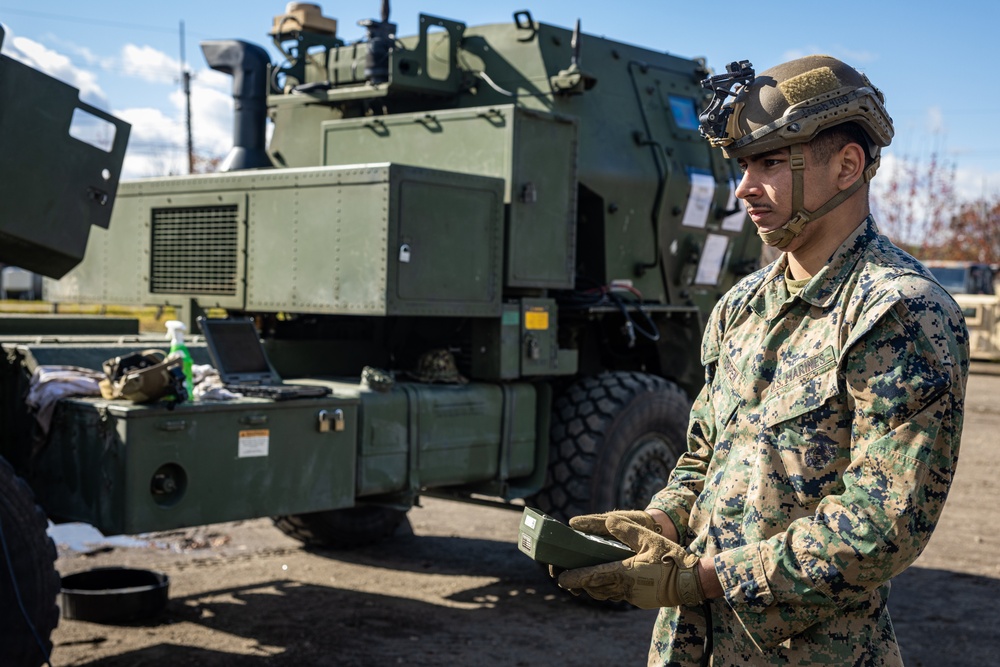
x=872 y=168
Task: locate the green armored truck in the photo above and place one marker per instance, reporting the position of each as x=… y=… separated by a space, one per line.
x=487 y=253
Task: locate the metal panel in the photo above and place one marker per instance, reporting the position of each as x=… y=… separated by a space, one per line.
x=313 y=240
x=496 y=345
x=445 y=244
x=195 y=250
x=541 y=238
x=420 y=435
x=164 y=249
x=192 y=242
x=318 y=241
x=519 y=418
x=115 y=269
x=129 y=468
x=534 y=152
x=383 y=443
x=62 y=160
x=458 y=429
x=539 y=343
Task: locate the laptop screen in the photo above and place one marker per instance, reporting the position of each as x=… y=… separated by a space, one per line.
x=236 y=349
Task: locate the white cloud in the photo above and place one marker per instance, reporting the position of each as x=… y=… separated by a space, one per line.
x=57 y=65
x=156 y=144
x=211 y=119
x=212 y=112
x=84 y=53
x=149 y=64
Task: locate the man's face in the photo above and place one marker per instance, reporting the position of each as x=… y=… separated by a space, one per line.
x=766 y=190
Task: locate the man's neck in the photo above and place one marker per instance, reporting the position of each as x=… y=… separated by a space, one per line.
x=829 y=233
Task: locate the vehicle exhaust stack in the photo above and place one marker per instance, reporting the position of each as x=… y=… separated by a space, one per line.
x=247 y=64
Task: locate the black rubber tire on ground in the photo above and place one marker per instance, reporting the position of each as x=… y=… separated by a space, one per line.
x=29 y=582
x=342 y=529
x=615 y=437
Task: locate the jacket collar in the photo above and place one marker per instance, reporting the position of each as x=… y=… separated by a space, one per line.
x=822 y=290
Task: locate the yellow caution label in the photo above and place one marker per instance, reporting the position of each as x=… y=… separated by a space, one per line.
x=254 y=443
x=537 y=319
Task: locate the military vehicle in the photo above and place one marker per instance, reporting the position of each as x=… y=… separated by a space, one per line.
x=494 y=246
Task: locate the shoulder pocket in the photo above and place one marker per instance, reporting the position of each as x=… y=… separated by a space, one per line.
x=729 y=390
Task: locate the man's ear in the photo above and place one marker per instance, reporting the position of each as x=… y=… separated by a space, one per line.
x=850 y=164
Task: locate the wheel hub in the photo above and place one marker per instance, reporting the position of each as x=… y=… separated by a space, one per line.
x=645 y=471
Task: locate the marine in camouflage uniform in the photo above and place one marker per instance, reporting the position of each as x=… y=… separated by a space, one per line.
x=821 y=451
x=823 y=445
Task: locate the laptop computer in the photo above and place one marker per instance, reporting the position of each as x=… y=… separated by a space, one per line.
x=237 y=353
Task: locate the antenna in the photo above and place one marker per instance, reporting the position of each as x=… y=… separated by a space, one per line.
x=186 y=86
x=575 y=43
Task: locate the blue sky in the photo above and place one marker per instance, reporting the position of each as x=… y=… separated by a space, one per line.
x=932 y=60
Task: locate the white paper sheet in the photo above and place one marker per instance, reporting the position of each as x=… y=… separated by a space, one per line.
x=712 y=256
x=699 y=201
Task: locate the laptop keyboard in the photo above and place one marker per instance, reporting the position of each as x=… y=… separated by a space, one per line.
x=278 y=392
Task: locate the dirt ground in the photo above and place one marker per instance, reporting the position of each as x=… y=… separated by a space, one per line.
x=456 y=591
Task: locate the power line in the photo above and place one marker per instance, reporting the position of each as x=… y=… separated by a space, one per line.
x=78 y=19
x=90 y=20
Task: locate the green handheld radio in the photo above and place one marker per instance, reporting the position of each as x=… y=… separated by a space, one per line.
x=547 y=540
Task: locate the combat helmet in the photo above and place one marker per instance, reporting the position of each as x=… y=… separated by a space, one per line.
x=788 y=105
x=437 y=366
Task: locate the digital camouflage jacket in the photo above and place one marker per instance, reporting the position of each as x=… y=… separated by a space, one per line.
x=820 y=454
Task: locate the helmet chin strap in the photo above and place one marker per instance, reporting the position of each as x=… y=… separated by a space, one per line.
x=782 y=236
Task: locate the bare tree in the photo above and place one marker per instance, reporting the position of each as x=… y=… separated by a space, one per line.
x=915 y=203
x=975 y=232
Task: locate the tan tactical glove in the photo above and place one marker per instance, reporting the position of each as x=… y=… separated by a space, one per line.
x=660 y=574
x=596 y=524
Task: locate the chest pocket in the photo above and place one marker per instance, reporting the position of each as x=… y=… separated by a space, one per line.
x=808 y=425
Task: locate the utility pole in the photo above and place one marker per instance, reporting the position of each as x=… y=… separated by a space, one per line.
x=186 y=84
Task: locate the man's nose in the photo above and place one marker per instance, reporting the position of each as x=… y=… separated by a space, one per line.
x=747 y=187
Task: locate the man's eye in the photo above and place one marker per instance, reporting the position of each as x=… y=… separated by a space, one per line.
x=771 y=163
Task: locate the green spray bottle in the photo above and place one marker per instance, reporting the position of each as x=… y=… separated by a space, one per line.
x=175 y=332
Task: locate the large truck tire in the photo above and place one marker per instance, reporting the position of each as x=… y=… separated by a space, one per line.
x=342 y=529
x=615 y=437
x=29 y=583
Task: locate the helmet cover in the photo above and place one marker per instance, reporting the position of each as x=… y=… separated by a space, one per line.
x=792 y=102
x=437 y=366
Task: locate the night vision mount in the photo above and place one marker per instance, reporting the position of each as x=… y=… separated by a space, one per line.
x=739 y=74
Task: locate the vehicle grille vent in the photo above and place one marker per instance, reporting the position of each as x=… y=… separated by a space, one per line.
x=195 y=250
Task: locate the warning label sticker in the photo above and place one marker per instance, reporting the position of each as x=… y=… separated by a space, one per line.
x=536 y=318
x=254 y=443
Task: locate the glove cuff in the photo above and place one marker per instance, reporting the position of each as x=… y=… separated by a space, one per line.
x=689 y=587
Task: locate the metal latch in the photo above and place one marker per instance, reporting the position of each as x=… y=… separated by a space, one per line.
x=172 y=425
x=534 y=347
x=330 y=420
x=254 y=420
